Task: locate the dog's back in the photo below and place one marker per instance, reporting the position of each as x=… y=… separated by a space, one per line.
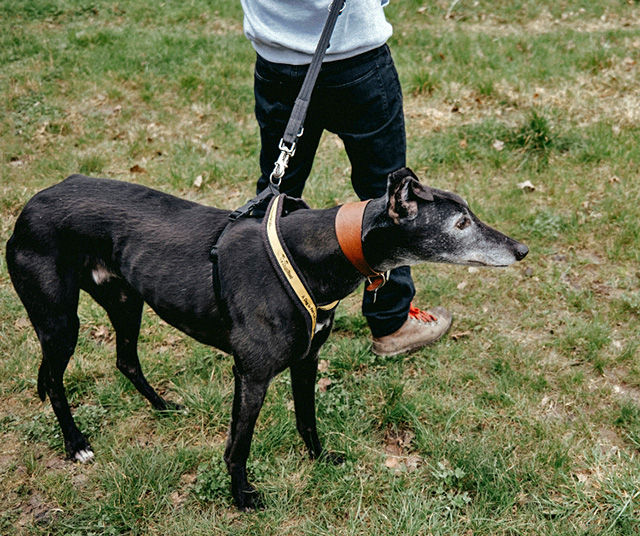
x=85 y=232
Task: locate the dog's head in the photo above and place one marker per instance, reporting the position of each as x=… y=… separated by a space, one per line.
x=425 y=224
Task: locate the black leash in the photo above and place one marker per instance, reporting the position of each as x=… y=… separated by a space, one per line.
x=295 y=125
x=287 y=145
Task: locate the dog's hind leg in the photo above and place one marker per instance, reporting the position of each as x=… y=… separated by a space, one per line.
x=50 y=294
x=58 y=337
x=247 y=402
x=124 y=307
x=58 y=345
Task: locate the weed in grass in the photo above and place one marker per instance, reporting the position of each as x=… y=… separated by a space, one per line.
x=92 y=164
x=450 y=484
x=43 y=426
x=423 y=83
x=396 y=410
x=212 y=482
x=586 y=340
x=30 y=111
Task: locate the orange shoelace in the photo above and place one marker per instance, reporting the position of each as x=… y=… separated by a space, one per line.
x=421 y=316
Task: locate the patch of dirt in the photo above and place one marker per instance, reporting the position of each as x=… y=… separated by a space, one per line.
x=496 y=25
x=546 y=23
x=9 y=453
x=36 y=511
x=614 y=380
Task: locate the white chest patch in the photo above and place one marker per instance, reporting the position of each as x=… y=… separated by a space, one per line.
x=322 y=325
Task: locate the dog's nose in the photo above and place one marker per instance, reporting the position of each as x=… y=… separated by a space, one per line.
x=521 y=251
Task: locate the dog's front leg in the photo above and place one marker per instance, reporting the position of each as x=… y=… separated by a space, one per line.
x=247 y=402
x=303 y=385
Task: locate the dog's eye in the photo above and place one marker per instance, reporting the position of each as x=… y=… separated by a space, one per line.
x=463 y=223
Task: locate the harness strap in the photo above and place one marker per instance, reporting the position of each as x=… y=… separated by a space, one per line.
x=291 y=277
x=349 y=231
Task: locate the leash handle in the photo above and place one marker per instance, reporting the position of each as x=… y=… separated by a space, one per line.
x=295 y=129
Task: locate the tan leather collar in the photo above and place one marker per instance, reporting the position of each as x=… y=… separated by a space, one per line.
x=349 y=231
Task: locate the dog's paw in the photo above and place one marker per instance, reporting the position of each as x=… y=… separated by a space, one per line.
x=249 y=500
x=171 y=408
x=83 y=456
x=331 y=458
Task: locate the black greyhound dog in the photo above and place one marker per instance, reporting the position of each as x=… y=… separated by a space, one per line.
x=126 y=244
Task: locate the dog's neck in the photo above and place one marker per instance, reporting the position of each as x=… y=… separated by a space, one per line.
x=314 y=247
x=382 y=240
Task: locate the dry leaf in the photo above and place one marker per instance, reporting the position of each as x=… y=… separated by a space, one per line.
x=101 y=333
x=527 y=186
x=137 y=169
x=460 y=335
x=393 y=449
x=22 y=323
x=412 y=463
x=392 y=462
x=323 y=384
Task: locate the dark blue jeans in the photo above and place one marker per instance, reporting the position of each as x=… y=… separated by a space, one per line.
x=360 y=100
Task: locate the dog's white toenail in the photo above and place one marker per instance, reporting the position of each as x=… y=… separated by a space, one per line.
x=83 y=456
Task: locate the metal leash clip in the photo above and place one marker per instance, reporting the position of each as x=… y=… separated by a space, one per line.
x=280 y=167
x=282 y=163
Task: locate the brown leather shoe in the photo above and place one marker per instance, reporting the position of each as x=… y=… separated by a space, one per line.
x=421 y=329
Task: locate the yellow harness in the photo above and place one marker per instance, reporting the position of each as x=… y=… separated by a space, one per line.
x=287 y=268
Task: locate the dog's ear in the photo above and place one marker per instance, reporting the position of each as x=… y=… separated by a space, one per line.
x=403 y=192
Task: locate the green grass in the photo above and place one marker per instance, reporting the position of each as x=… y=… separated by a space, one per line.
x=524 y=420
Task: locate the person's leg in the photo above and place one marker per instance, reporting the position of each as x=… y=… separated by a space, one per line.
x=364 y=99
x=276 y=87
